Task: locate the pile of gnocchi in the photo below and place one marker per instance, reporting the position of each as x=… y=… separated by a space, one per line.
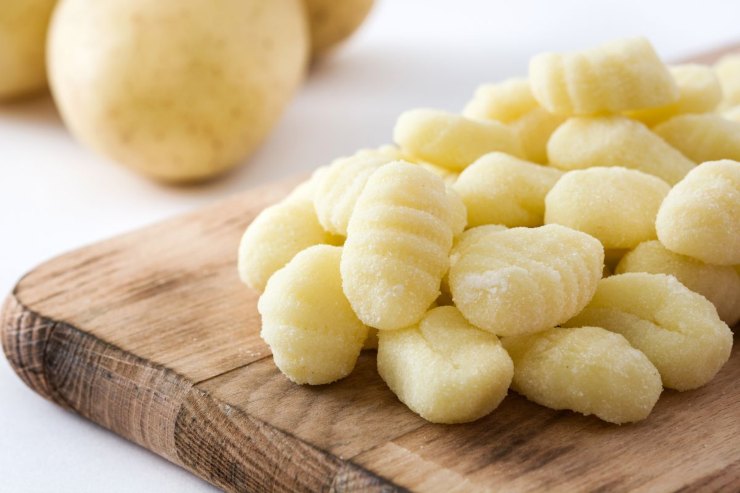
x=574 y=236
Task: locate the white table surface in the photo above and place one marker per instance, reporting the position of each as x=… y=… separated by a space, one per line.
x=55 y=195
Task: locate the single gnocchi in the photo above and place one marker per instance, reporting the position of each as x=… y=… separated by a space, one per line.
x=398 y=243
x=525 y=280
x=677 y=329
x=314 y=335
x=505 y=101
x=586 y=369
x=699 y=91
x=584 y=142
x=699 y=216
x=451 y=141
x=701 y=138
x=338 y=188
x=614 y=77
x=615 y=205
x=444 y=369
x=717 y=283
x=501 y=189
x=728 y=71
x=275 y=236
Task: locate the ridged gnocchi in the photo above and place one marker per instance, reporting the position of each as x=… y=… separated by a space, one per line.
x=586 y=200
x=451 y=141
x=338 y=188
x=677 y=329
x=308 y=323
x=525 y=280
x=728 y=71
x=275 y=236
x=398 y=243
x=586 y=369
x=614 y=77
x=584 y=142
x=699 y=91
x=444 y=369
x=699 y=216
x=595 y=314
x=701 y=138
x=717 y=283
x=501 y=189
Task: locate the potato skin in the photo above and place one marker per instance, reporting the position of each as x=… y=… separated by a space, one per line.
x=332 y=21
x=23 y=25
x=177 y=89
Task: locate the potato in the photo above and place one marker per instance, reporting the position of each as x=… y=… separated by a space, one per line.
x=332 y=21
x=23 y=25
x=176 y=89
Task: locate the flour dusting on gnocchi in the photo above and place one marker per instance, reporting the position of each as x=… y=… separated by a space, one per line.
x=588 y=214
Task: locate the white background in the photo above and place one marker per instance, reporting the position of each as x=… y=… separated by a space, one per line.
x=55 y=195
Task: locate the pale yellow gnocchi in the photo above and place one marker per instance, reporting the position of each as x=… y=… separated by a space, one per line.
x=699 y=91
x=728 y=71
x=449 y=140
x=275 y=236
x=699 y=216
x=444 y=369
x=584 y=142
x=338 y=188
x=586 y=369
x=595 y=314
x=615 y=205
x=534 y=130
x=314 y=335
x=706 y=137
x=398 y=243
x=525 y=280
x=502 y=189
x=505 y=101
x=720 y=284
x=677 y=329
x=614 y=77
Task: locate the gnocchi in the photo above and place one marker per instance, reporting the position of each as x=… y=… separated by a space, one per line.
x=339 y=187
x=314 y=335
x=614 y=77
x=451 y=141
x=719 y=284
x=701 y=138
x=699 y=91
x=586 y=369
x=445 y=369
x=584 y=142
x=534 y=130
x=699 y=216
x=397 y=247
x=525 y=280
x=501 y=189
x=275 y=236
x=505 y=101
x=596 y=315
x=585 y=200
x=677 y=329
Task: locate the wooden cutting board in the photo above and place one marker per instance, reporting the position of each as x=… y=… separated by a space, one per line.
x=152 y=336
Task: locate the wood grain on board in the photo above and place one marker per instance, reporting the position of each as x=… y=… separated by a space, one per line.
x=152 y=336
